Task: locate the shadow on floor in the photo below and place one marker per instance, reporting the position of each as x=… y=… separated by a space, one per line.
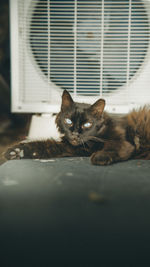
x=67 y=212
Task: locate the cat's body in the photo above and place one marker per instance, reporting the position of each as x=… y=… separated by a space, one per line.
x=89 y=131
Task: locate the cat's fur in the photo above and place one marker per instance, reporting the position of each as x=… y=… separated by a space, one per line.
x=90 y=131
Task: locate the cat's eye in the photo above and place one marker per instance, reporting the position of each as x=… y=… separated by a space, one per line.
x=87 y=125
x=68 y=121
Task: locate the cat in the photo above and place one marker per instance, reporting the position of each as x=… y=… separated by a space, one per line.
x=88 y=131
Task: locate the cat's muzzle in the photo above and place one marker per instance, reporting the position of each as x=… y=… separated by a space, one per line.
x=75 y=140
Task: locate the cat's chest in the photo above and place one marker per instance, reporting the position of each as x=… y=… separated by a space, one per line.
x=94 y=146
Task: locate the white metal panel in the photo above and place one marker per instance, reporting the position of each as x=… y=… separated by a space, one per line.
x=92 y=48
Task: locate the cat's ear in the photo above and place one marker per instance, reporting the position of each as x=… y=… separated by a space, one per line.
x=67 y=101
x=98 y=107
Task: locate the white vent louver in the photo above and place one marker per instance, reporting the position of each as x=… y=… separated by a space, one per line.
x=92 y=48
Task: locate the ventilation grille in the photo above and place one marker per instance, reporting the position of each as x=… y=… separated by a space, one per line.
x=89 y=47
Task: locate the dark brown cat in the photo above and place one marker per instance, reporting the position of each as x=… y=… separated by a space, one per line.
x=89 y=131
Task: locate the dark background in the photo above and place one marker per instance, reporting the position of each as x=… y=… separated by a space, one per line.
x=13 y=127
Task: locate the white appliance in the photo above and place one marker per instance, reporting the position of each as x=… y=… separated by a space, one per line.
x=92 y=48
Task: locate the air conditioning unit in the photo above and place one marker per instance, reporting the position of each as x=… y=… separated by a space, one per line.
x=92 y=48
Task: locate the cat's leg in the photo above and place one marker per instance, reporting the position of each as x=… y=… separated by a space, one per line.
x=113 y=154
x=38 y=150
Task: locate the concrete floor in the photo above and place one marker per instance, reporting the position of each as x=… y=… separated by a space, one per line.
x=66 y=212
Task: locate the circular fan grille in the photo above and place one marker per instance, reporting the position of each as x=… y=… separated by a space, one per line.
x=89 y=46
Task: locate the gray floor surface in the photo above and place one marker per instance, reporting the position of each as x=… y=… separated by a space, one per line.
x=67 y=212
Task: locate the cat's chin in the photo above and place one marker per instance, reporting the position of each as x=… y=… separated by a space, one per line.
x=74 y=143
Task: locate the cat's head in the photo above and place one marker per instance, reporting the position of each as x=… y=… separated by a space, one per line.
x=80 y=122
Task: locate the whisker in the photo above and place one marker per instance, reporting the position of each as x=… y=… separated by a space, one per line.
x=83 y=143
x=97 y=139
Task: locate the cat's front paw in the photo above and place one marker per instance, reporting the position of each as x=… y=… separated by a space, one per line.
x=101 y=158
x=15 y=152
